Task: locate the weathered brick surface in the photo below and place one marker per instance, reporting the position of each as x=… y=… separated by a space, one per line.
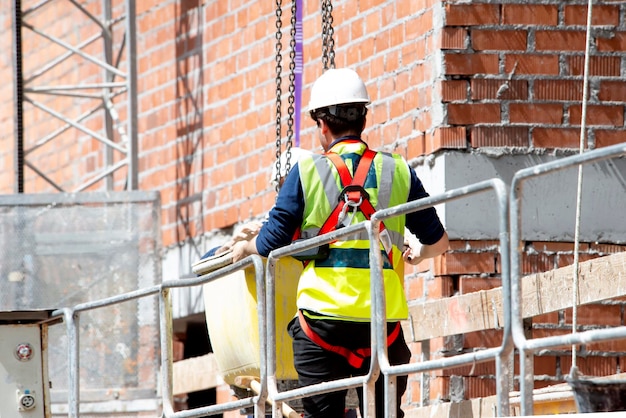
x=505 y=74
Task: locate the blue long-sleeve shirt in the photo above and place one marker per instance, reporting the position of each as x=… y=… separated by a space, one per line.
x=286 y=215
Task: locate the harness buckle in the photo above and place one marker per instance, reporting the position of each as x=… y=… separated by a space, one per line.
x=343 y=196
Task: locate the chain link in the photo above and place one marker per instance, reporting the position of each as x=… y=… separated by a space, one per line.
x=328 y=43
x=279 y=69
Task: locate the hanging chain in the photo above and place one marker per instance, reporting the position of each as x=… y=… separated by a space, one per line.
x=292 y=87
x=328 y=43
x=279 y=69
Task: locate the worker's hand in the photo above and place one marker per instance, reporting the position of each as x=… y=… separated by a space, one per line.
x=411 y=253
x=247 y=231
x=415 y=252
x=242 y=249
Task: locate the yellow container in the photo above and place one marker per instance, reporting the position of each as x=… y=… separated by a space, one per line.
x=230 y=305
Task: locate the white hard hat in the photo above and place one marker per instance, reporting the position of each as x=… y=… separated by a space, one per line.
x=295 y=154
x=338 y=86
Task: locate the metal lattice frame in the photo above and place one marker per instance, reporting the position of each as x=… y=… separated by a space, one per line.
x=102 y=92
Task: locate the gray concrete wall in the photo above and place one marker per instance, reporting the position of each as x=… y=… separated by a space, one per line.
x=548 y=202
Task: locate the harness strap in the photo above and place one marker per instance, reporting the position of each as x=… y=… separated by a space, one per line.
x=355 y=357
x=354 y=194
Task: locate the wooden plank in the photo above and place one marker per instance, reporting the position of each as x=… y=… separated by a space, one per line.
x=455 y=315
x=194 y=374
x=599 y=279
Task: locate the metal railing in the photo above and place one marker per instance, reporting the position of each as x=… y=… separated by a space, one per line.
x=71 y=317
x=527 y=347
x=265 y=276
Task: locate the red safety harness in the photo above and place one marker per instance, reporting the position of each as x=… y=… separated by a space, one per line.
x=356 y=197
x=353 y=194
x=355 y=357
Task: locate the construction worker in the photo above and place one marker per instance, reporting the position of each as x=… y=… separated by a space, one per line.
x=331 y=331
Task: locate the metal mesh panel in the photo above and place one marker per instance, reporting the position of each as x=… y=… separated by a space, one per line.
x=62 y=250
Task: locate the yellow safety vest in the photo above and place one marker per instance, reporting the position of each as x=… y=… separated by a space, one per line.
x=339 y=286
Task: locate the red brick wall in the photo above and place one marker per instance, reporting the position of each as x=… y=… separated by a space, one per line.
x=510 y=77
x=207 y=98
x=513 y=74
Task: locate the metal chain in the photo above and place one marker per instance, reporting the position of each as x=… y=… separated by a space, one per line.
x=279 y=69
x=292 y=87
x=328 y=43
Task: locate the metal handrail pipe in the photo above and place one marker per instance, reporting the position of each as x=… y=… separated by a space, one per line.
x=475 y=357
x=213 y=409
x=581 y=337
x=319 y=388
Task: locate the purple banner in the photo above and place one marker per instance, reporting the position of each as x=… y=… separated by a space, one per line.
x=298 y=70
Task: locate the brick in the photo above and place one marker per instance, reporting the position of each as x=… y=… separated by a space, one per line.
x=440 y=287
x=414 y=288
x=447 y=137
x=565 y=260
x=473 y=113
x=598 y=66
x=562 y=90
x=469 y=263
x=479 y=387
x=476 y=369
x=616 y=41
x=560 y=40
x=612 y=91
x=416 y=147
x=471 y=64
x=498 y=40
x=605 y=138
x=536 y=113
x=518 y=64
x=453 y=38
x=594 y=314
x=598 y=115
x=606 y=15
x=482 y=339
x=472 y=14
x=469 y=284
x=439 y=388
x=501 y=89
x=555 y=138
x=548 y=318
x=543 y=365
x=499 y=136
x=530 y=14
x=551 y=247
x=591 y=365
x=537 y=263
x=549 y=332
x=454 y=90
x=606 y=249
x=614 y=346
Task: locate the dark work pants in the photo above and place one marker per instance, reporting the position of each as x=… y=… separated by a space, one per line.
x=316 y=365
